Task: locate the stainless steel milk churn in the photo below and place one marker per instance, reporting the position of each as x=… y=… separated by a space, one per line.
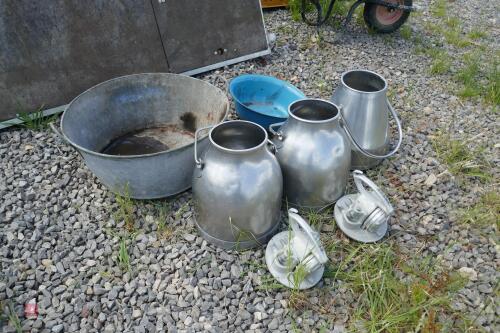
x=237 y=186
x=362 y=96
x=314 y=153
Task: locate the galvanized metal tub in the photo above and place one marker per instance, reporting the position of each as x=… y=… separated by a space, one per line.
x=164 y=108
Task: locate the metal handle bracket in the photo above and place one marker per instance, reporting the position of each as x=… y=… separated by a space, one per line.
x=278 y=133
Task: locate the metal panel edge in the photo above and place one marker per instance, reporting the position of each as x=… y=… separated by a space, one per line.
x=227 y=62
x=48 y=112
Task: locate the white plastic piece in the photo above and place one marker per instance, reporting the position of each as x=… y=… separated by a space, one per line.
x=271 y=39
x=363 y=216
x=296 y=257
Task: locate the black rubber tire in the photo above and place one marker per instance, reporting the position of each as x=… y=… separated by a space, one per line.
x=370 y=16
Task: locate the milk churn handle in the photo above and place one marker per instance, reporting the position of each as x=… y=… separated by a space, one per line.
x=360 y=178
x=278 y=133
x=297 y=223
x=199 y=162
x=273 y=146
x=57 y=131
x=343 y=123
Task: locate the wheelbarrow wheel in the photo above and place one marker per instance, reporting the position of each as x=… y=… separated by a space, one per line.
x=382 y=19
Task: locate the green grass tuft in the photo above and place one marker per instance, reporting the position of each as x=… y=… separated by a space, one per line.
x=477 y=34
x=461 y=159
x=492 y=87
x=35 y=121
x=341 y=8
x=164 y=230
x=441 y=62
x=386 y=302
x=405 y=32
x=478 y=73
x=468 y=76
x=317 y=219
x=123 y=256
x=433 y=28
x=13 y=319
x=295 y=7
x=298 y=299
x=439 y=8
x=484 y=213
x=125 y=210
x=456 y=38
x=452 y=22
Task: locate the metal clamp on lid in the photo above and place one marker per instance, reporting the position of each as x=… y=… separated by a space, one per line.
x=363 y=216
x=296 y=258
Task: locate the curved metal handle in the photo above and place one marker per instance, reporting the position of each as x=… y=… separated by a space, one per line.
x=360 y=178
x=199 y=162
x=344 y=125
x=58 y=132
x=297 y=221
x=277 y=133
x=224 y=81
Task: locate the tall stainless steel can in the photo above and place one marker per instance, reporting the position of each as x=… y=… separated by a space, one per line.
x=314 y=153
x=362 y=97
x=237 y=186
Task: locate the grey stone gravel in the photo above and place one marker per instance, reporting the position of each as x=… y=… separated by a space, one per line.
x=56 y=217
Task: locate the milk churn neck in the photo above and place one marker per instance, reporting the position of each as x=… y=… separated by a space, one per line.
x=314 y=111
x=364 y=81
x=238 y=137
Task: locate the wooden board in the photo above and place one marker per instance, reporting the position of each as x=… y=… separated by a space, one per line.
x=202 y=35
x=52 y=50
x=273 y=3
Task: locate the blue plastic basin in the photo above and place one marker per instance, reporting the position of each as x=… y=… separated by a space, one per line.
x=263 y=99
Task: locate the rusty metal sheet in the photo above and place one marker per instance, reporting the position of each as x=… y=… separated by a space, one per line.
x=52 y=50
x=199 y=35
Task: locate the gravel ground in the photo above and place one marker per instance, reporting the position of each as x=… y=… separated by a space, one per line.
x=59 y=242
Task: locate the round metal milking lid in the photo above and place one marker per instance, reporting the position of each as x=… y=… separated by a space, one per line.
x=278 y=260
x=357 y=233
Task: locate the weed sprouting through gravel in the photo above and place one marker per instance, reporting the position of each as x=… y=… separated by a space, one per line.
x=477 y=61
x=125 y=212
x=486 y=212
x=12 y=317
x=35 y=121
x=397 y=293
x=462 y=160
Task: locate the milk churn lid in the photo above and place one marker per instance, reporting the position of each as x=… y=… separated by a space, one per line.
x=363 y=216
x=296 y=257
